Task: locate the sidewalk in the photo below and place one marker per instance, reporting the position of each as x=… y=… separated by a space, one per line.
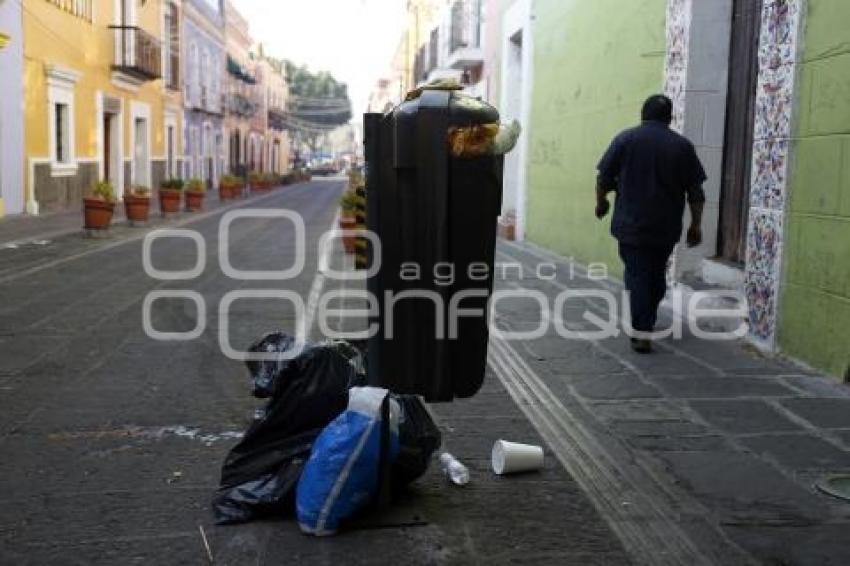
x=30 y=243
x=702 y=449
x=22 y=228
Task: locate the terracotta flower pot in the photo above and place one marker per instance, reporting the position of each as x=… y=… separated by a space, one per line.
x=137 y=208
x=169 y=201
x=194 y=201
x=97 y=213
x=349 y=242
x=226 y=191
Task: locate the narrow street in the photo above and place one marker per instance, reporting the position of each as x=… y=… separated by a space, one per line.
x=573 y=279
x=705 y=452
x=113 y=442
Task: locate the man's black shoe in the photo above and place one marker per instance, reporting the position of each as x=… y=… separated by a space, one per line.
x=641 y=346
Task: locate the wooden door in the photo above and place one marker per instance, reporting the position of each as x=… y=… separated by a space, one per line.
x=107 y=147
x=740 y=110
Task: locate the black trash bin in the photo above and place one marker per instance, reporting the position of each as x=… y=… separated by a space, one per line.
x=435 y=215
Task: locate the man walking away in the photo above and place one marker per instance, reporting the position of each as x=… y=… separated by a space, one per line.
x=652 y=169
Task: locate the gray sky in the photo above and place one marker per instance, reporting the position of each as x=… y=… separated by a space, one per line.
x=353 y=39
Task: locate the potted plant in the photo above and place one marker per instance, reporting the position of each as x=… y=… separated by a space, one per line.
x=195 y=191
x=229 y=186
x=98 y=208
x=348 y=219
x=257 y=181
x=137 y=204
x=170 y=192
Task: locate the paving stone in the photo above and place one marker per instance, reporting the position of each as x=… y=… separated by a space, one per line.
x=800 y=452
x=818 y=386
x=593 y=363
x=660 y=362
x=844 y=435
x=743 y=416
x=701 y=387
x=617 y=386
x=642 y=410
x=742 y=487
x=557 y=348
x=680 y=444
x=822 y=412
x=733 y=357
x=801 y=545
x=658 y=429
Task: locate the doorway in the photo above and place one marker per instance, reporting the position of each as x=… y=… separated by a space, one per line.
x=512 y=106
x=107 y=148
x=207 y=150
x=515 y=104
x=141 y=153
x=738 y=142
x=169 y=152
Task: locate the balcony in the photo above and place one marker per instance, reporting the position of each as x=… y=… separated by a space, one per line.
x=277 y=119
x=207 y=103
x=138 y=54
x=239 y=72
x=465 y=35
x=242 y=105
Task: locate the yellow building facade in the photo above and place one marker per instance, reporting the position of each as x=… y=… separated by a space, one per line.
x=102 y=97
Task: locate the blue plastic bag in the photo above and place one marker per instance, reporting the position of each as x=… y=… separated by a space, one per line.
x=341 y=475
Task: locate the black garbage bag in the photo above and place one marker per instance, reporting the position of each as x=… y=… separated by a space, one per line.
x=418 y=437
x=354 y=356
x=305 y=393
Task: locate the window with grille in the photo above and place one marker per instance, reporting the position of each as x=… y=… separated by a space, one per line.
x=171 y=47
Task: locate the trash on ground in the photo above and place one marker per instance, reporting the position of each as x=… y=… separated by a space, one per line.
x=341 y=476
x=305 y=393
x=419 y=437
x=454 y=470
x=206 y=544
x=514 y=458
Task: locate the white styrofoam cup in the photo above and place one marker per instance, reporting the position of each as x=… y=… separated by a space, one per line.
x=512 y=458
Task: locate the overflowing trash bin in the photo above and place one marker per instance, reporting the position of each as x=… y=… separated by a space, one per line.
x=434 y=193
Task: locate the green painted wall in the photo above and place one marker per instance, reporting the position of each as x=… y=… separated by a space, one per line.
x=814 y=320
x=594 y=64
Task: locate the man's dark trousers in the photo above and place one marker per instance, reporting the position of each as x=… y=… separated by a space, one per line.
x=646 y=281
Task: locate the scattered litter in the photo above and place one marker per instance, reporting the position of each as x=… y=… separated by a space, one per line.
x=175 y=477
x=454 y=470
x=206 y=543
x=10 y=246
x=341 y=476
x=305 y=393
x=514 y=458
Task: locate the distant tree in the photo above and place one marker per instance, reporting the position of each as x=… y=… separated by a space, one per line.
x=318 y=102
